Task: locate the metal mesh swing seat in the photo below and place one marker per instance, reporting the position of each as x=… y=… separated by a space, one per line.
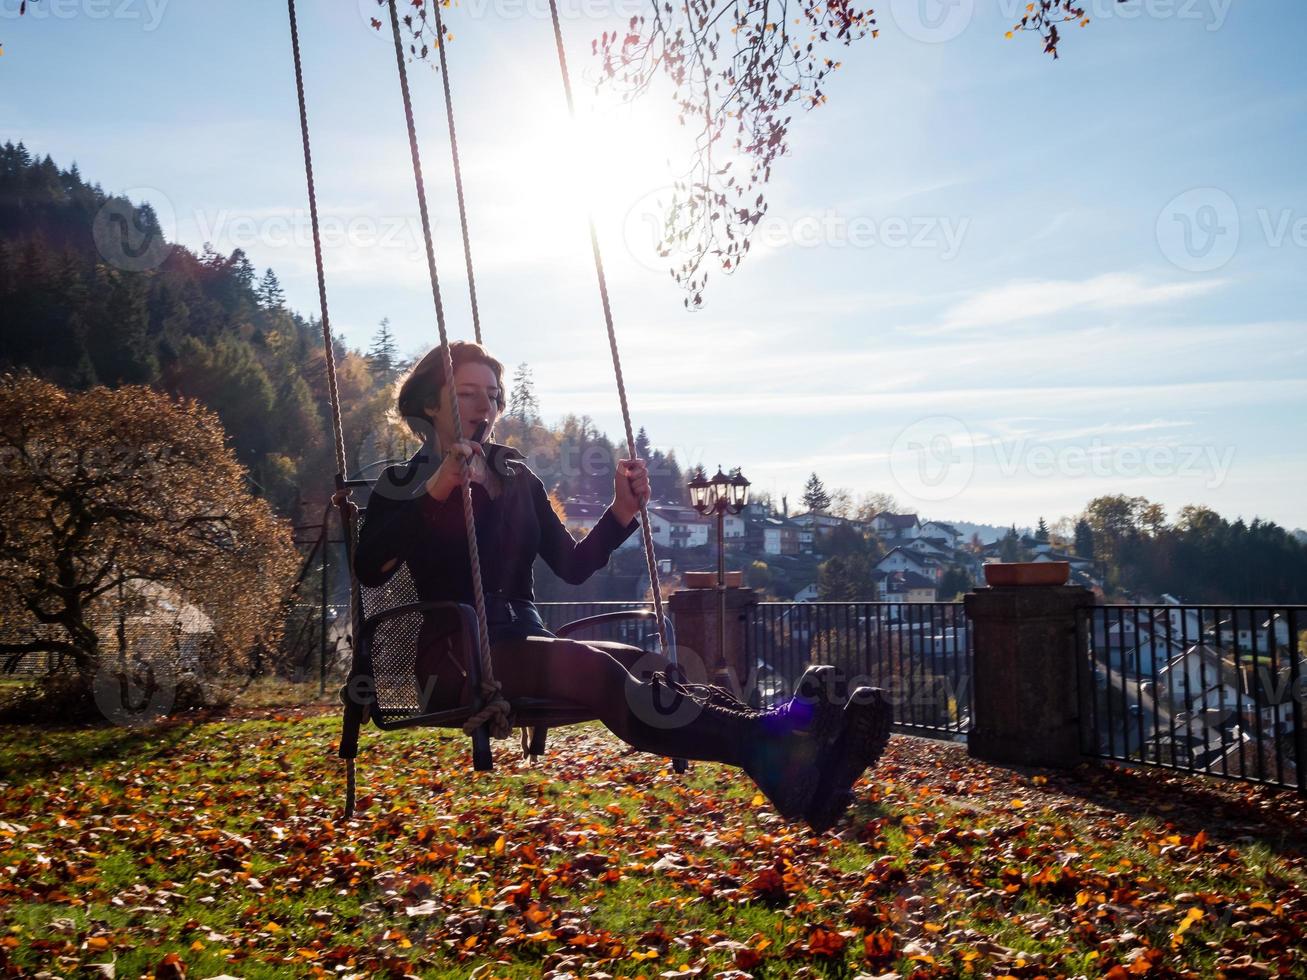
x=387 y=621
x=385 y=686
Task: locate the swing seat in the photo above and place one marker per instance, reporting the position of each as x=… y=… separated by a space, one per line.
x=386 y=688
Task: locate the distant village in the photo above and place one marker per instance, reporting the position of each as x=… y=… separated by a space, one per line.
x=917 y=554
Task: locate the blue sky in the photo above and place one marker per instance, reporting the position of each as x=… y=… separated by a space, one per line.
x=990 y=284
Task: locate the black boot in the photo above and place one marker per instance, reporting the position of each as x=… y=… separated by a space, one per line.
x=861 y=742
x=782 y=750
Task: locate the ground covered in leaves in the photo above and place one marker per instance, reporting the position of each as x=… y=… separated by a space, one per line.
x=216 y=848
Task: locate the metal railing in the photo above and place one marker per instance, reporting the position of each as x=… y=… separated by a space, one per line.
x=919 y=653
x=1211 y=689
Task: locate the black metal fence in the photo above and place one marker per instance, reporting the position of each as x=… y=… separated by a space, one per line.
x=1210 y=689
x=919 y=653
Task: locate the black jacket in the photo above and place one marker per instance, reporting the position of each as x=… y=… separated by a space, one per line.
x=404 y=522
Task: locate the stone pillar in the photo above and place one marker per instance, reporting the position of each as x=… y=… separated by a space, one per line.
x=1024 y=692
x=694 y=611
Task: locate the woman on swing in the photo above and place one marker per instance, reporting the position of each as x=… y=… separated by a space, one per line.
x=804 y=756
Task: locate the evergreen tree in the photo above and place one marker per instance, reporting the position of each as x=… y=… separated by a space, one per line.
x=643 y=449
x=1041 y=532
x=241 y=269
x=815 y=497
x=522 y=403
x=1010 y=546
x=1084 y=546
x=269 y=292
x=383 y=355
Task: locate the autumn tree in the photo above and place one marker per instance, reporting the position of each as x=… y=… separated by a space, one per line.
x=126 y=504
x=874 y=503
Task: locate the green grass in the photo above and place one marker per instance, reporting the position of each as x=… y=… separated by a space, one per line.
x=222 y=843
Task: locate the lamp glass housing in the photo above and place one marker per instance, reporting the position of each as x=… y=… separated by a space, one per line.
x=739 y=493
x=699 y=490
x=720 y=494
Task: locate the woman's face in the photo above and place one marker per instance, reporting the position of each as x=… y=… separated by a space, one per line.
x=477 y=391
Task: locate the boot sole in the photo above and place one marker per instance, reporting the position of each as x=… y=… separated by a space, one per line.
x=860 y=747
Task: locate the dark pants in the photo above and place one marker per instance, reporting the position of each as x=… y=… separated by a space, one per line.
x=608 y=679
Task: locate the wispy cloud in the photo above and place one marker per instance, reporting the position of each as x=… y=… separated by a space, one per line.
x=1024 y=299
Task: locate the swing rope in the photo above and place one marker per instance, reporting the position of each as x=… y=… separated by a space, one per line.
x=341 y=496
x=458 y=171
x=496 y=710
x=650 y=560
x=333 y=388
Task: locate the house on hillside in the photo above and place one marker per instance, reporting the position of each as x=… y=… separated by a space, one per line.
x=1047 y=553
x=773 y=536
x=583 y=514
x=1205 y=677
x=734 y=527
x=937 y=548
x=895 y=527
x=900 y=559
x=1135 y=645
x=1229 y=713
x=807 y=594
x=938 y=529
x=902 y=588
x=825 y=523
x=678 y=527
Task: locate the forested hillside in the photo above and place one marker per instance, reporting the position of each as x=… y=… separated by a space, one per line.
x=92 y=293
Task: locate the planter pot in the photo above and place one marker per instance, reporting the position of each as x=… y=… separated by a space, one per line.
x=708 y=580
x=1001 y=574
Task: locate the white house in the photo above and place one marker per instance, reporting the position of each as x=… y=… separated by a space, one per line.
x=678 y=527
x=1045 y=552
x=902 y=588
x=938 y=529
x=733 y=526
x=1201 y=677
x=1219 y=703
x=896 y=526
x=820 y=521
x=778 y=536
x=807 y=594
x=930 y=548
x=900 y=559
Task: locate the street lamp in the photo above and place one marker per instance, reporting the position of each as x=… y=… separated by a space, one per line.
x=720 y=496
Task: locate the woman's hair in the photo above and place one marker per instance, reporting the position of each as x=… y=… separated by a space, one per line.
x=423 y=385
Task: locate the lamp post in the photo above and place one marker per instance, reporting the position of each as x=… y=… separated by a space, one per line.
x=721 y=495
